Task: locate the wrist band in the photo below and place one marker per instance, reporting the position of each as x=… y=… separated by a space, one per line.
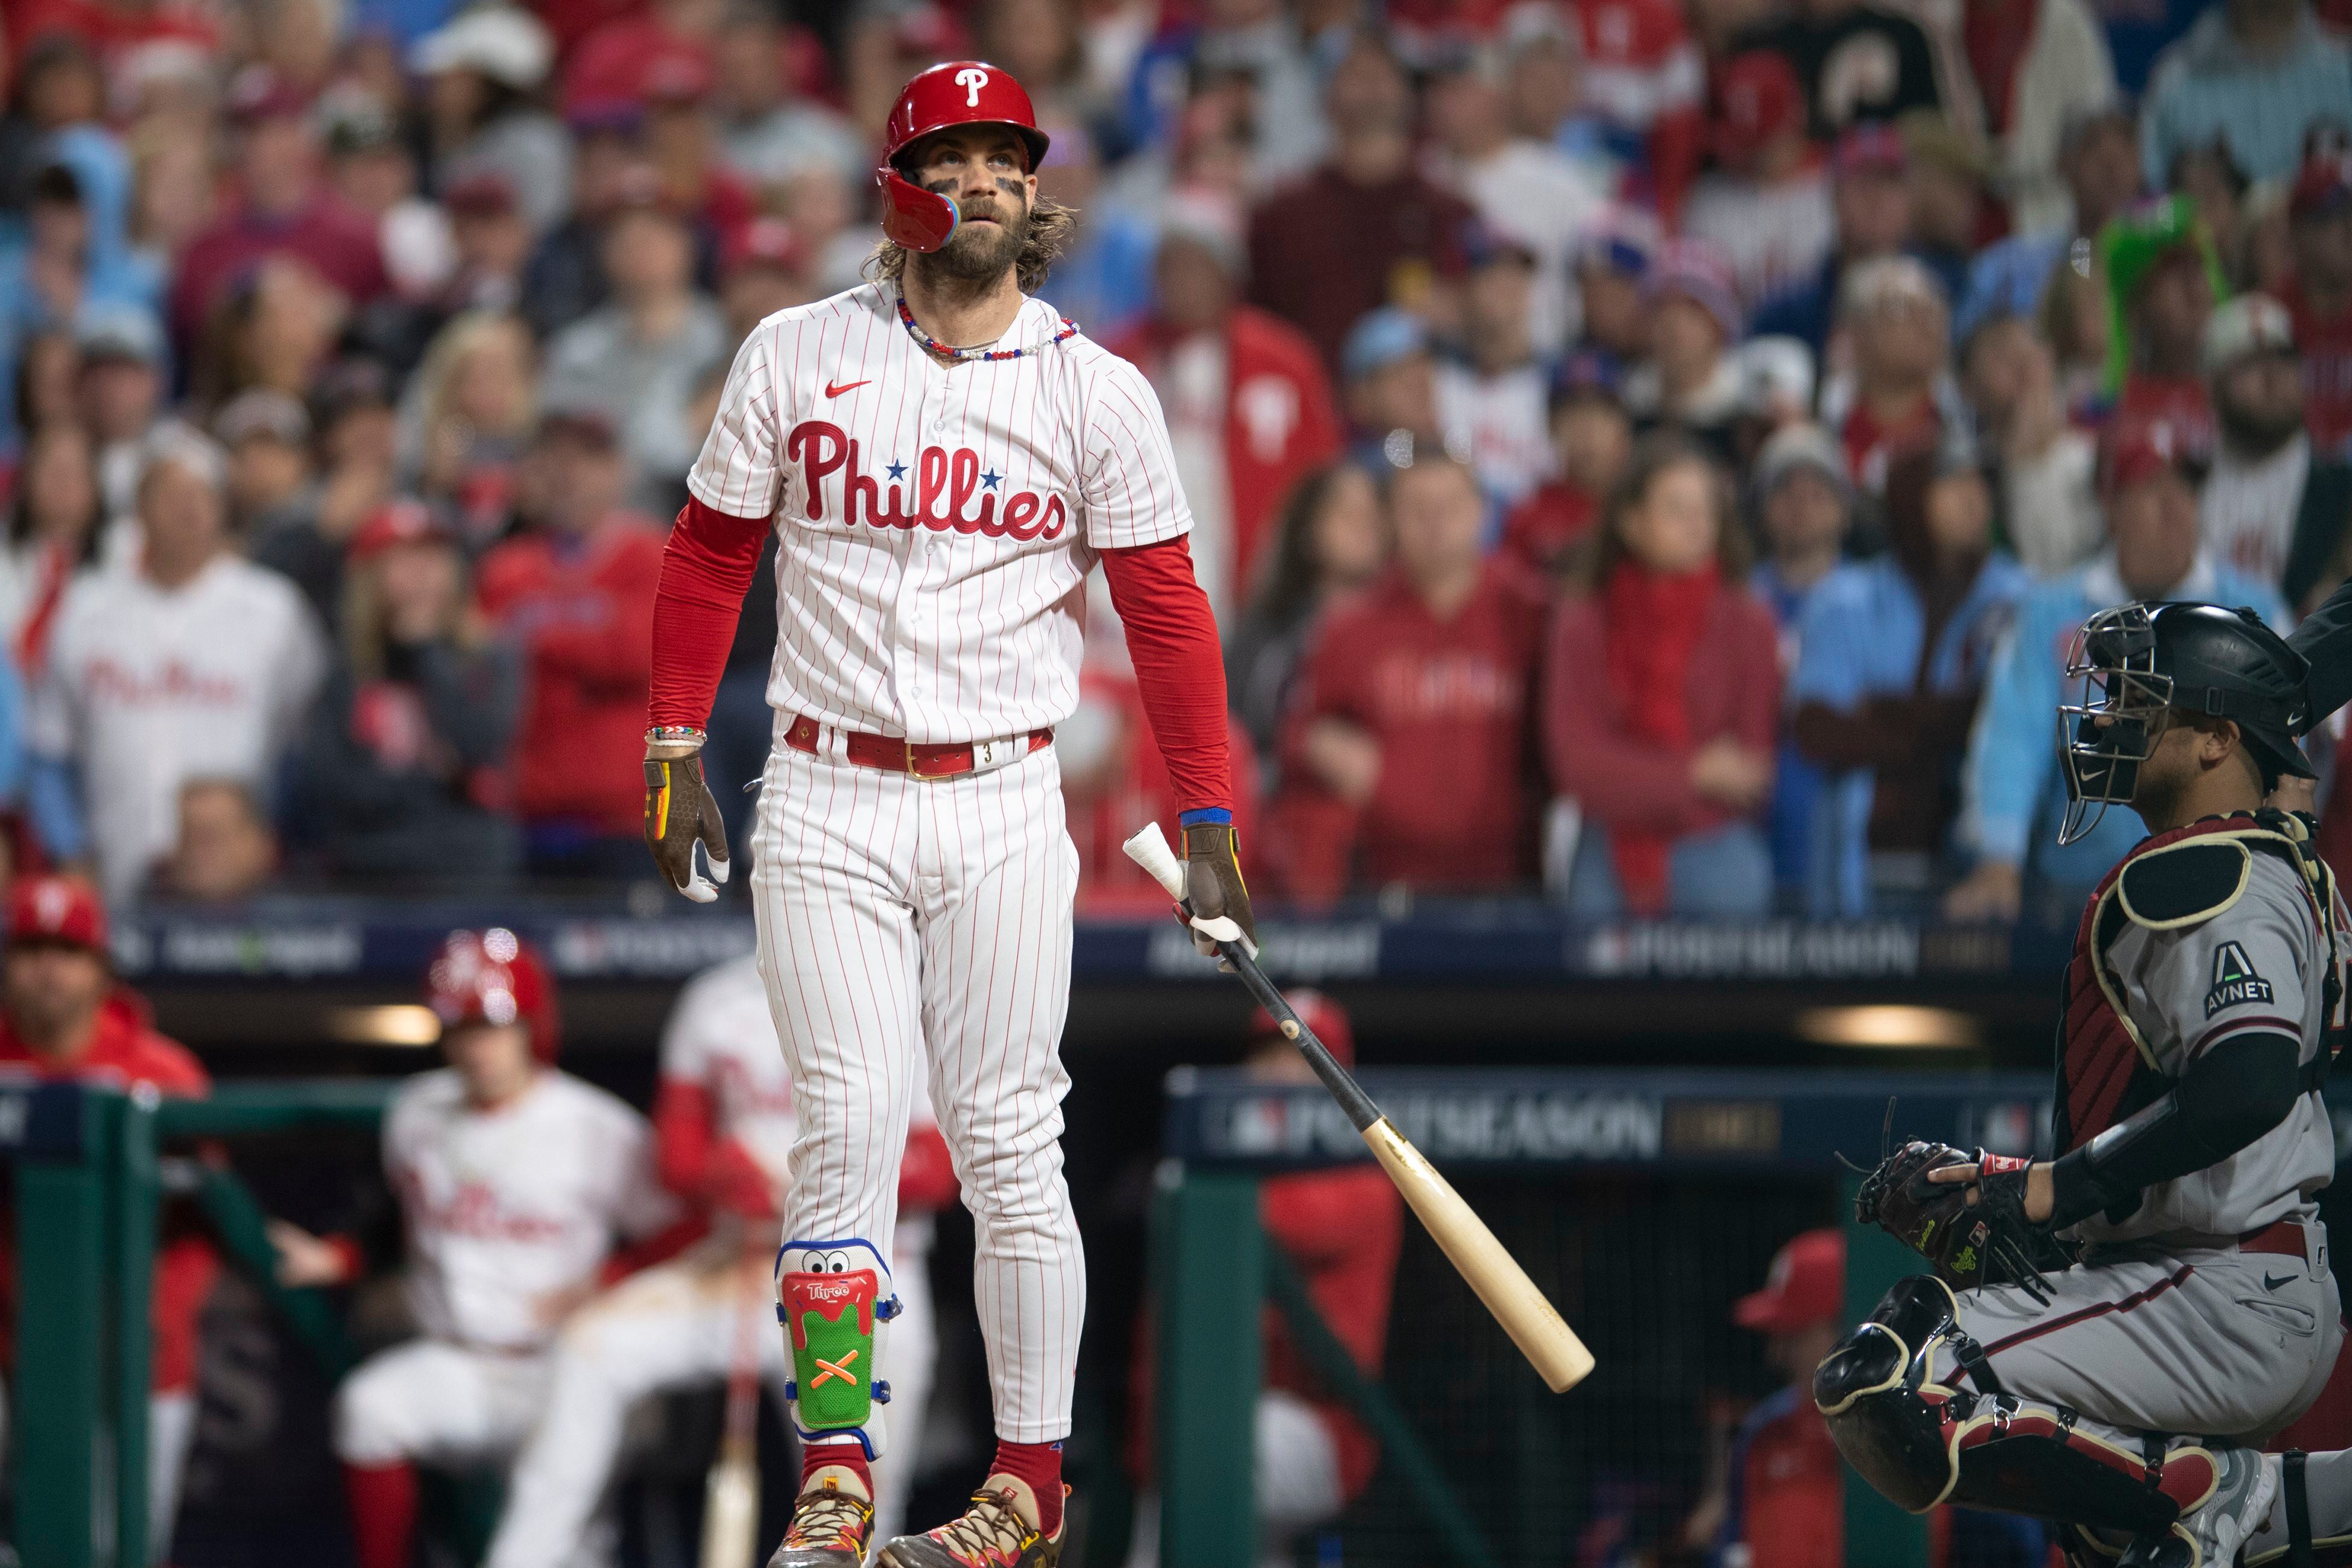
x=676 y=735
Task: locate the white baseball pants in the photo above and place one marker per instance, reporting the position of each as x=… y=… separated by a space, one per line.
x=440 y=1403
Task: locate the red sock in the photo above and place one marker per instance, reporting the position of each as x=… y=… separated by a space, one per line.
x=849 y=1455
x=1039 y=1464
x=383 y=1512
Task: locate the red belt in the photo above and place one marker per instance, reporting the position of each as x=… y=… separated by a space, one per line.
x=895 y=755
x=2282 y=1236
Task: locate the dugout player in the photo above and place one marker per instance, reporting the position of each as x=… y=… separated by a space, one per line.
x=63 y=1018
x=942 y=460
x=2125 y=1392
x=513 y=1181
x=723 y=1128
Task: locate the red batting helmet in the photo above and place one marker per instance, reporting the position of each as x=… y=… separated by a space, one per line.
x=494 y=977
x=951 y=93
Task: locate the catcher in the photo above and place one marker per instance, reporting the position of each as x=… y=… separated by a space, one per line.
x=2109 y=1337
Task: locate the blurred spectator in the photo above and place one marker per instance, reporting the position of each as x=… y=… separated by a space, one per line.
x=1330 y=541
x=763 y=271
x=267 y=435
x=1364 y=229
x=2256 y=74
x=481 y=73
x=1661 y=698
x=355 y=436
x=1857 y=61
x=122 y=394
x=1646 y=83
x=2098 y=159
x=2269 y=507
x=373 y=172
x=2049 y=505
x=63 y=1017
x=2038 y=67
x=2012 y=794
x=1871 y=190
x=2074 y=322
x=1896 y=329
x=274 y=327
x=691 y=177
x=44 y=388
x=404 y=772
x=1592 y=443
x=467 y=418
x=1777 y=390
x=1103 y=279
x=1804 y=513
x=1767 y=207
x=54 y=525
x=1892 y=653
x=2163 y=281
x=1611 y=267
x=637 y=359
x=2214 y=185
x=616 y=63
x=73 y=269
x=1342 y=1230
x=1950 y=173
x=2319 y=296
x=1253 y=44
x=1786 y=1502
x=1490 y=398
x=1410 y=746
x=577 y=599
x=1388 y=382
x=1526 y=193
x=283 y=207
x=195 y=665
x=491 y=237
x=1249 y=408
x=224 y=849
x=766 y=133
x=1691 y=382
x=566 y=278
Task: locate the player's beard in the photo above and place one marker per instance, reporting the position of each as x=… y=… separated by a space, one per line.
x=979 y=252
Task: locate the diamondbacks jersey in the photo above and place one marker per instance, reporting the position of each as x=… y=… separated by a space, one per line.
x=505 y=1207
x=722 y=1036
x=935 y=522
x=2258 y=967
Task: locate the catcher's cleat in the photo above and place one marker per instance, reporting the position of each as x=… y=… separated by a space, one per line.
x=832 y=1519
x=2210 y=1534
x=996 y=1532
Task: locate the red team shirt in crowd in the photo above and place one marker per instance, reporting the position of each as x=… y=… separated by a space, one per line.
x=2325 y=345
x=1449 y=702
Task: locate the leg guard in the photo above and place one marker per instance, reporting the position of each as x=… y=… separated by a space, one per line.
x=1892 y=1394
x=834 y=1300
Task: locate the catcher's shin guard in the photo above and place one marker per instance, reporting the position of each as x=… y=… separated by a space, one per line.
x=836 y=1307
x=1896 y=1408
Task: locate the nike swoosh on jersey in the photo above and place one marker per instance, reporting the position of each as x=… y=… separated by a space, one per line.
x=2271 y=1284
x=835 y=389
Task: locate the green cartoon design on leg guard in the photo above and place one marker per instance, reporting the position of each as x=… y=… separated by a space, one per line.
x=835 y=1311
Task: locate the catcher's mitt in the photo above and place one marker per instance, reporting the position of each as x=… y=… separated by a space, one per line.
x=1988 y=1242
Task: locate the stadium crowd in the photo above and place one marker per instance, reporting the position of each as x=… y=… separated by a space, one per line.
x=1653 y=453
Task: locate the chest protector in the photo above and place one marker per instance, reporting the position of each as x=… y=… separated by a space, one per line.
x=2106 y=1069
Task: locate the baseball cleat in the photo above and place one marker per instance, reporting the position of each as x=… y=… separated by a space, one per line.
x=2211 y=1534
x=996 y=1532
x=832 y=1519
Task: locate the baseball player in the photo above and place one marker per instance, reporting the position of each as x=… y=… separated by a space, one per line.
x=723 y=1135
x=2134 y=1317
x=513 y=1181
x=942 y=460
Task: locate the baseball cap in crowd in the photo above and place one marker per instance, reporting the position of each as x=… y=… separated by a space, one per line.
x=676 y=77
x=1792 y=447
x=259 y=93
x=355 y=123
x=1757 y=96
x=347 y=385
x=2247 y=325
x=1695 y=271
x=2137 y=450
x=62 y=911
x=1625 y=240
x=401 y=520
x=504 y=43
x=1325 y=1018
x=582 y=422
x=1887 y=280
x=2079 y=122
x=1872 y=147
x=1214 y=226
x=1776 y=372
x=2322 y=186
x=1588 y=373
x=120 y=332
x=264 y=412
x=763 y=242
x=1380 y=339
x=604 y=115
x=1805 y=1285
x=185 y=446
x=1485 y=245
x=483 y=193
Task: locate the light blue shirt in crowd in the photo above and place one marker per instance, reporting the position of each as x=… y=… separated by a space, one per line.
x=2205 y=86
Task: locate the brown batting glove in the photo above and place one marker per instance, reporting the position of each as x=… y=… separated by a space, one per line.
x=1212 y=881
x=681 y=812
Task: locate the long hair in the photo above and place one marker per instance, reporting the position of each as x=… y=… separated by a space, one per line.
x=1050 y=226
x=1653 y=456
x=1288 y=575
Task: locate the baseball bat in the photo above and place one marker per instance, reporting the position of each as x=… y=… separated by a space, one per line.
x=731 y=1493
x=1550 y=1346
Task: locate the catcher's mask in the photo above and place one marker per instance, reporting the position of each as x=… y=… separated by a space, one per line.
x=2138 y=661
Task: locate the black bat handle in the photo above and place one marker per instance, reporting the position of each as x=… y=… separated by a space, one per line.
x=1344 y=1089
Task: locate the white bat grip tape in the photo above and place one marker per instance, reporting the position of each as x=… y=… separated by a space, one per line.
x=1148 y=849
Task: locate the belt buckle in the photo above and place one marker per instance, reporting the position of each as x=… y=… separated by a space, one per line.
x=914 y=769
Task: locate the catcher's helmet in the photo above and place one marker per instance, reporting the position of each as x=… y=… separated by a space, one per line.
x=952 y=93
x=2142 y=659
x=495 y=977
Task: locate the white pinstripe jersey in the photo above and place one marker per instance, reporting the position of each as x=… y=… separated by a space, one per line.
x=937 y=522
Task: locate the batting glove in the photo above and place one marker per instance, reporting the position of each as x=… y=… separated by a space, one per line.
x=681 y=812
x=1212 y=882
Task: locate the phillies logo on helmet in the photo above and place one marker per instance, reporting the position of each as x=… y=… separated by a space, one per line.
x=971 y=79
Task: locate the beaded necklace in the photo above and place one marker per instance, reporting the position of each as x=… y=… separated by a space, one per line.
x=932 y=344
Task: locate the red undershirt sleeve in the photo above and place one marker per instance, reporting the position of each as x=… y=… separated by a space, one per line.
x=706 y=567
x=1180 y=671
